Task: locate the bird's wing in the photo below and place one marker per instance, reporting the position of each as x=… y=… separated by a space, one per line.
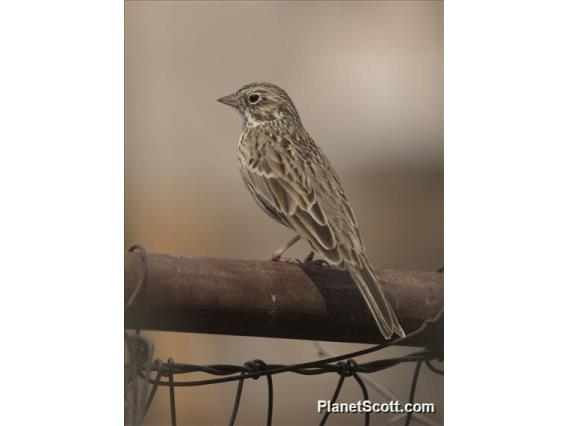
x=265 y=204
x=300 y=185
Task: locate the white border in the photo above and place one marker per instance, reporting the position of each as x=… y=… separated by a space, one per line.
x=61 y=214
x=506 y=212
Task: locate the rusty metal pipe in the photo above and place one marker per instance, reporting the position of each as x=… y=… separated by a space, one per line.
x=274 y=299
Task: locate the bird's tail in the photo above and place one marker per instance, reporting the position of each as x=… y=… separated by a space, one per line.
x=380 y=308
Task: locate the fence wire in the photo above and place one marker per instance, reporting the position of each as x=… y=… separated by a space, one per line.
x=140 y=387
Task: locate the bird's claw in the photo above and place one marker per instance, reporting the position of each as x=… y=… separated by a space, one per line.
x=285 y=260
x=319 y=262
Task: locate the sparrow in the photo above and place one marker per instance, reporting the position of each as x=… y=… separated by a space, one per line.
x=293 y=182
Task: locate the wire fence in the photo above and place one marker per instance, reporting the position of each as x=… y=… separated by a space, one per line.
x=141 y=387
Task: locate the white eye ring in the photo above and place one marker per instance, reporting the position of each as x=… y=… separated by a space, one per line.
x=253 y=98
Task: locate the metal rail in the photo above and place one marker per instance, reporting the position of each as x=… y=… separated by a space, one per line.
x=274 y=299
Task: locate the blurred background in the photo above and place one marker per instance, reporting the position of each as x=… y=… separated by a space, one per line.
x=367 y=79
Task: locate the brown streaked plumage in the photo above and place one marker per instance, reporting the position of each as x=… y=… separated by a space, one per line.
x=292 y=180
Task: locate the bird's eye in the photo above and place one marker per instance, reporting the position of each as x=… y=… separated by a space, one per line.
x=254 y=98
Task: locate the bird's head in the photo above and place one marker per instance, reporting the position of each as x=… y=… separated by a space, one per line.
x=259 y=103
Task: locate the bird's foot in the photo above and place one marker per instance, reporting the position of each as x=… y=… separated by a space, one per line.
x=319 y=262
x=277 y=258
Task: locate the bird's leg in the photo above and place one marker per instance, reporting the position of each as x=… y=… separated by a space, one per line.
x=277 y=256
x=310 y=259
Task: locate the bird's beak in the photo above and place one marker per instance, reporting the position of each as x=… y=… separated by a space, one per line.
x=230 y=100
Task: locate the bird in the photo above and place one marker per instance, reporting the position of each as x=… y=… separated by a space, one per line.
x=292 y=181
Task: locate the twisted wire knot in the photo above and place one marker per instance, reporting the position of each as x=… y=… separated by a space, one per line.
x=347 y=368
x=167 y=370
x=255 y=367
